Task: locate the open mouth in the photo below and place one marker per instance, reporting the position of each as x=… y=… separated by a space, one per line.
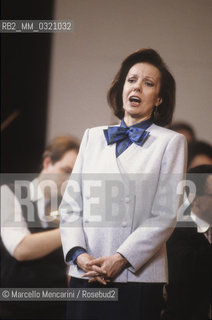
x=135 y=99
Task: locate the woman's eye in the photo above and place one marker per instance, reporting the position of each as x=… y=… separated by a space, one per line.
x=131 y=80
x=149 y=84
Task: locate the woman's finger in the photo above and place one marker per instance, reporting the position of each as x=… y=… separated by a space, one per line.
x=96 y=261
x=91 y=274
x=100 y=270
x=98 y=279
x=92 y=280
x=101 y=280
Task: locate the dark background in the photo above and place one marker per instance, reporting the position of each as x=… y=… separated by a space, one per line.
x=25 y=63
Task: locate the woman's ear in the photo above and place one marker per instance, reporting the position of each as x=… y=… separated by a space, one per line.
x=46 y=162
x=159 y=101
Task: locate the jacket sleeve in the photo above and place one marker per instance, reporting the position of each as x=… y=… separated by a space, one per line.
x=149 y=237
x=71 y=207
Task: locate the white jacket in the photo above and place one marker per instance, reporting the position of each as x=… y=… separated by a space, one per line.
x=126 y=204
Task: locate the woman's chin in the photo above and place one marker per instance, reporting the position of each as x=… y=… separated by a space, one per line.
x=133 y=114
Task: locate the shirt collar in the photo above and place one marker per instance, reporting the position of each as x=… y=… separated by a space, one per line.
x=35 y=190
x=202 y=225
x=143 y=124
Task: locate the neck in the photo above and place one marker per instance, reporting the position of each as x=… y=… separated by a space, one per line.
x=131 y=121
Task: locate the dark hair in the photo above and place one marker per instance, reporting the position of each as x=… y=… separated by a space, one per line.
x=178 y=126
x=59 y=146
x=198 y=175
x=198 y=147
x=167 y=91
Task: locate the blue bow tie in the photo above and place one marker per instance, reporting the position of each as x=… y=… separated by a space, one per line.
x=125 y=136
x=116 y=134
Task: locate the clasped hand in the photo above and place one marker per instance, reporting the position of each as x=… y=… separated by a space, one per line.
x=102 y=269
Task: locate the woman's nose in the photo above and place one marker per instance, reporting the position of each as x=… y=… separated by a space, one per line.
x=138 y=87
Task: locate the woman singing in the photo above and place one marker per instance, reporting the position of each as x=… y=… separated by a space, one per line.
x=121 y=202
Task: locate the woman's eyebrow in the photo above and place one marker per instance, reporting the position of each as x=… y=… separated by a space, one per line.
x=149 y=77
x=145 y=77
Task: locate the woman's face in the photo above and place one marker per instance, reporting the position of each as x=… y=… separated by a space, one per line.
x=141 y=91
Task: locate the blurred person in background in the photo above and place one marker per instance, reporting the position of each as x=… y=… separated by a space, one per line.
x=31 y=254
x=199 y=153
x=184 y=128
x=189 y=252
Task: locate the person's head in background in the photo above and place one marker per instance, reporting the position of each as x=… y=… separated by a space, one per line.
x=199 y=153
x=163 y=107
x=58 y=161
x=184 y=128
x=201 y=206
